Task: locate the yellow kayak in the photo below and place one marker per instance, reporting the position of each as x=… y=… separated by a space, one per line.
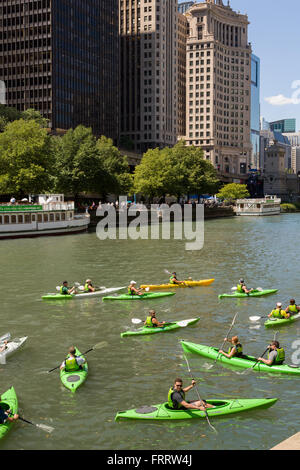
x=204 y=282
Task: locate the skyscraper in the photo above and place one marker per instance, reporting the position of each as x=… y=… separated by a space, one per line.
x=59 y=57
x=148 y=68
x=283 y=125
x=219 y=86
x=255 y=111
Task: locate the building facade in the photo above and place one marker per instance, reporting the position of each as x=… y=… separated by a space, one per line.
x=59 y=57
x=148 y=73
x=284 y=125
x=181 y=82
x=184 y=6
x=255 y=111
x=296 y=160
x=219 y=86
x=293 y=138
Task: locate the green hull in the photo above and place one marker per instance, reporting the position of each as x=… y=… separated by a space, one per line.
x=57 y=297
x=73 y=380
x=9 y=401
x=169 y=327
x=245 y=362
x=147 y=296
x=281 y=321
x=222 y=408
x=238 y=295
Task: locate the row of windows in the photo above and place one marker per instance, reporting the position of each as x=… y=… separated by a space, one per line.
x=32 y=44
x=29 y=218
x=31 y=6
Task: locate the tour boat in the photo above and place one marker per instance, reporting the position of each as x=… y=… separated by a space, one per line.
x=269 y=205
x=49 y=215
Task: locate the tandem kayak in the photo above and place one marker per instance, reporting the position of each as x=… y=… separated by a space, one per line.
x=222 y=408
x=245 y=362
x=256 y=293
x=73 y=379
x=281 y=321
x=8 y=401
x=146 y=296
x=82 y=295
x=12 y=347
x=146 y=330
x=204 y=282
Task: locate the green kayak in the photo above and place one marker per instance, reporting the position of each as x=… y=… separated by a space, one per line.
x=9 y=401
x=222 y=408
x=245 y=362
x=256 y=293
x=146 y=296
x=281 y=321
x=73 y=379
x=146 y=330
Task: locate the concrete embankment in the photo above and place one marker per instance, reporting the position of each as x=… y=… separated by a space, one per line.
x=209 y=213
x=292 y=443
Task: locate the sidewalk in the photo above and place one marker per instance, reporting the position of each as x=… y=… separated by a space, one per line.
x=292 y=443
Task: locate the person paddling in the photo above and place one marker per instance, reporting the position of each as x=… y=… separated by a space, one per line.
x=4 y=346
x=132 y=290
x=6 y=415
x=278 y=312
x=242 y=289
x=174 y=280
x=235 y=351
x=65 y=290
x=292 y=309
x=276 y=355
x=151 y=320
x=176 y=397
x=88 y=286
x=72 y=362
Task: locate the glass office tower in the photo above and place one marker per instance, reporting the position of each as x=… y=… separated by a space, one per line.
x=255 y=111
x=61 y=58
x=284 y=125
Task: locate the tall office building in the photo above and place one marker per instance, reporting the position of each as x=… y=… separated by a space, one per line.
x=181 y=83
x=148 y=73
x=255 y=111
x=296 y=160
x=184 y=6
x=293 y=138
x=59 y=57
x=283 y=126
x=219 y=86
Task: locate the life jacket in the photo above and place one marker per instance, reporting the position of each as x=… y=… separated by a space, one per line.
x=86 y=287
x=240 y=289
x=293 y=308
x=71 y=364
x=278 y=313
x=280 y=356
x=239 y=350
x=61 y=290
x=131 y=292
x=170 y=401
x=149 y=322
x=172 y=280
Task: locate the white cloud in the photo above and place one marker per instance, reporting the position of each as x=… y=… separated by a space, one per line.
x=280 y=100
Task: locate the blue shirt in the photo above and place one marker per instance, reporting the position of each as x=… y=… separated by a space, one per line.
x=3 y=416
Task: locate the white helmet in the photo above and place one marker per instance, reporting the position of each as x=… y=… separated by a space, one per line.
x=132 y=282
x=279 y=304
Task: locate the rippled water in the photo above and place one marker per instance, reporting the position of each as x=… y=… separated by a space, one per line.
x=132 y=372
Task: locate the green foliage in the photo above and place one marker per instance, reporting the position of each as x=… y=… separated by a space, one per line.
x=9 y=114
x=233 y=191
x=287 y=207
x=176 y=171
x=32 y=114
x=25 y=158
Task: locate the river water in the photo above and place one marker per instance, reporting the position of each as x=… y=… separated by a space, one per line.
x=132 y=372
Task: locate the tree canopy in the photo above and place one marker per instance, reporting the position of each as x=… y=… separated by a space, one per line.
x=233 y=191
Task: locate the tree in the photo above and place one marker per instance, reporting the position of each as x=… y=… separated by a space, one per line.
x=176 y=171
x=233 y=191
x=32 y=114
x=25 y=158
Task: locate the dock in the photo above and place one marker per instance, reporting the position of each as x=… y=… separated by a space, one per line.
x=292 y=443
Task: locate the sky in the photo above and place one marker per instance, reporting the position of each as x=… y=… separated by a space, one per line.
x=274 y=32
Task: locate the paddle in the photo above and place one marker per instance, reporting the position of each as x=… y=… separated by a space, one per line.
x=182 y=323
x=97 y=346
x=200 y=399
x=168 y=272
x=257 y=318
x=45 y=428
x=231 y=326
x=251 y=368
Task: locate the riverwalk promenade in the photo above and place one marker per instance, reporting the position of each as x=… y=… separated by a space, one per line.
x=292 y=443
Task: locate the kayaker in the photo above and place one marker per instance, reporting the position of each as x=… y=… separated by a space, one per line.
x=72 y=362
x=2 y=348
x=133 y=290
x=292 y=309
x=7 y=416
x=242 y=289
x=173 y=279
x=151 y=320
x=236 y=350
x=278 y=312
x=276 y=355
x=176 y=397
x=88 y=286
x=64 y=289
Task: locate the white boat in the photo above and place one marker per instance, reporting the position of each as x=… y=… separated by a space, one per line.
x=50 y=215
x=11 y=347
x=84 y=295
x=269 y=205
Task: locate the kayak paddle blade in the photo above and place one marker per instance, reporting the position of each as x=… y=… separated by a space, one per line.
x=136 y=321
x=254 y=318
